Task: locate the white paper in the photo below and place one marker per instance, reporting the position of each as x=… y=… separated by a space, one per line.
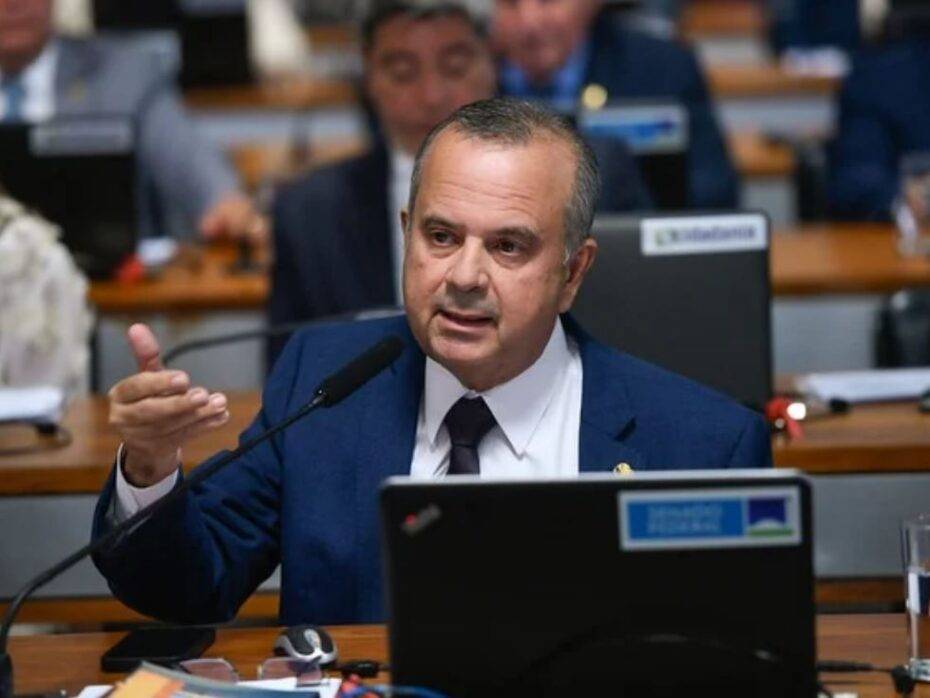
x=43 y=404
x=867 y=386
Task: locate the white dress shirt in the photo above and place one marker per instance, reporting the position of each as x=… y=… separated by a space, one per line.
x=38 y=80
x=538 y=416
x=398 y=195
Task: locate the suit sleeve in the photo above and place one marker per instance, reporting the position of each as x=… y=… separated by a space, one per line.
x=753 y=447
x=201 y=558
x=712 y=181
x=864 y=173
x=183 y=165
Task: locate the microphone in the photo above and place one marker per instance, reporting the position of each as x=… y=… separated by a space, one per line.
x=331 y=391
x=276 y=331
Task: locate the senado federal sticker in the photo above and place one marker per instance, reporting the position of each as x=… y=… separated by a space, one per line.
x=704 y=234
x=709 y=518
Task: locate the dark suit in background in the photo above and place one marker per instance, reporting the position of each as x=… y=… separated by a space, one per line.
x=182 y=173
x=814 y=23
x=333 y=234
x=884 y=114
x=631 y=64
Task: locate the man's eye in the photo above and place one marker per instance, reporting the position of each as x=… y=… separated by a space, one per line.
x=441 y=237
x=508 y=247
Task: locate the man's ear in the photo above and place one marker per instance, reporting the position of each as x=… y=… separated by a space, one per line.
x=578 y=267
x=404 y=220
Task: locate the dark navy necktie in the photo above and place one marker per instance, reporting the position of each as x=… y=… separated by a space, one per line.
x=14 y=94
x=467 y=421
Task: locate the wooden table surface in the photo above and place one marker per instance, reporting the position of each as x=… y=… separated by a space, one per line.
x=840 y=258
x=870 y=439
x=47 y=663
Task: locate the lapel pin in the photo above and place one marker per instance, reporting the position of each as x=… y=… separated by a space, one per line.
x=623 y=469
x=594 y=97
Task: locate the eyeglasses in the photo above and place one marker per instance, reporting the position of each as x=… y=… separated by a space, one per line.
x=218 y=669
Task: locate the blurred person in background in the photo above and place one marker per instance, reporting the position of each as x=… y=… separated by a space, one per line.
x=814 y=24
x=884 y=115
x=44 y=76
x=337 y=235
x=279 y=47
x=552 y=50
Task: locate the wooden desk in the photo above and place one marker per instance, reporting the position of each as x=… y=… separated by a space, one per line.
x=756 y=156
x=842 y=258
x=293 y=95
x=870 y=439
x=740 y=81
x=46 y=663
x=739 y=18
x=193 y=283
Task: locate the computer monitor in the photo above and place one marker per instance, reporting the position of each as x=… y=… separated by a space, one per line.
x=689 y=293
x=214 y=35
x=689 y=583
x=80 y=175
x=657 y=134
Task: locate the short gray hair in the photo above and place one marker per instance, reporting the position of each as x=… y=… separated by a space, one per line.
x=515 y=122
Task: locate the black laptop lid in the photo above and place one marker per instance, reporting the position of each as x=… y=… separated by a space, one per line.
x=80 y=175
x=655 y=584
x=214 y=35
x=657 y=133
x=689 y=293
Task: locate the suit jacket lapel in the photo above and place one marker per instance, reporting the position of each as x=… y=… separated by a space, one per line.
x=73 y=78
x=607 y=415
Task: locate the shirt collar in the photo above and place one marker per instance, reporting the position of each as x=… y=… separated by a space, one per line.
x=517 y=405
x=564 y=84
x=37 y=72
x=401 y=164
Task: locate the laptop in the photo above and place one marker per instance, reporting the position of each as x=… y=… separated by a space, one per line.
x=214 y=35
x=657 y=584
x=658 y=137
x=80 y=174
x=689 y=293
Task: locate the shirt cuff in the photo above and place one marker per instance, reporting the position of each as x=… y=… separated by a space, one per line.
x=131 y=499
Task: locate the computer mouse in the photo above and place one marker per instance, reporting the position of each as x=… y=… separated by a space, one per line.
x=308 y=643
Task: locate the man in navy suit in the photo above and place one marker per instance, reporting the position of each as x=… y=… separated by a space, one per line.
x=337 y=237
x=495 y=380
x=555 y=49
x=884 y=115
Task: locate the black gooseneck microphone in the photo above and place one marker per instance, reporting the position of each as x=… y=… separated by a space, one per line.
x=332 y=390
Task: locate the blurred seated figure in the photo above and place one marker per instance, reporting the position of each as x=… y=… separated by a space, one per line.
x=278 y=44
x=884 y=115
x=554 y=49
x=337 y=233
x=45 y=320
x=43 y=76
x=813 y=24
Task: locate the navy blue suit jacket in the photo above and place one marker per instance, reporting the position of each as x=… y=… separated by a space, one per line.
x=634 y=65
x=332 y=234
x=309 y=498
x=884 y=114
x=815 y=23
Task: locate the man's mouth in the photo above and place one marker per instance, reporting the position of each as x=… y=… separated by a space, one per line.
x=466 y=320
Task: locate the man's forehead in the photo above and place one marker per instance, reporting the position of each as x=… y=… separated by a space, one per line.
x=442 y=26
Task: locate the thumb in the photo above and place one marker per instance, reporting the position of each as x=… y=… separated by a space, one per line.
x=145 y=348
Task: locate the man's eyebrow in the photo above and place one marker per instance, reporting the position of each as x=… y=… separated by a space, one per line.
x=439 y=221
x=518 y=231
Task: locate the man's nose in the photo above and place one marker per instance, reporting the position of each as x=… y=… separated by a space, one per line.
x=468 y=271
x=433 y=92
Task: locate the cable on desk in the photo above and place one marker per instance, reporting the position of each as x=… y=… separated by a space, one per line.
x=904 y=683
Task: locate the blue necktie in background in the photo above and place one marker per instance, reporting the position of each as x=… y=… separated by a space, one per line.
x=14 y=94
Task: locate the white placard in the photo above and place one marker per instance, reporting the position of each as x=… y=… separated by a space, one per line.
x=704 y=234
